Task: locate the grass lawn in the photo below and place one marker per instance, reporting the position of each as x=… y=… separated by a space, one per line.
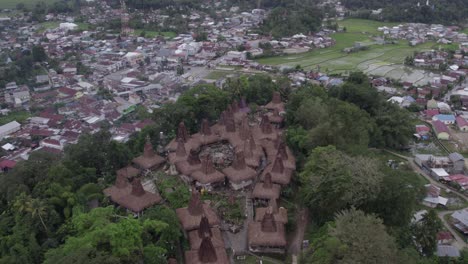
x=152 y=34
x=354 y=25
x=48 y=25
x=82 y=26
x=215 y=75
x=19 y=116
x=11 y=4
x=8 y=14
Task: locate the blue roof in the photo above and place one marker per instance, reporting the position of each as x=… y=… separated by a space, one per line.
x=323 y=78
x=445 y=117
x=409 y=99
x=336 y=82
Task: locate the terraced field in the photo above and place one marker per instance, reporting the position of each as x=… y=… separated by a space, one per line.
x=381 y=60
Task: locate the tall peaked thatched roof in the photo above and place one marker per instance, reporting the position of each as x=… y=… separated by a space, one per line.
x=268 y=222
x=207 y=252
x=195 y=206
x=265 y=125
x=204 y=229
x=205 y=128
x=182 y=132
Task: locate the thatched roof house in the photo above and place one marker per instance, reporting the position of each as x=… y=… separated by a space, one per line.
x=190 y=216
x=208 y=174
x=196 y=236
x=239 y=174
x=207 y=253
x=267 y=235
x=138 y=199
x=266 y=190
x=149 y=160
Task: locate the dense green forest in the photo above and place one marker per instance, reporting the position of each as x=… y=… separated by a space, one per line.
x=446 y=12
x=287 y=21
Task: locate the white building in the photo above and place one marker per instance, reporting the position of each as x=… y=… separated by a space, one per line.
x=68 y=26
x=9 y=128
x=439 y=174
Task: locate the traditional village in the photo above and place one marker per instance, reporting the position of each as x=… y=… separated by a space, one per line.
x=242 y=158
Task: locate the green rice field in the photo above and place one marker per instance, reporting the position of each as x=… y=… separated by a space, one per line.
x=381 y=60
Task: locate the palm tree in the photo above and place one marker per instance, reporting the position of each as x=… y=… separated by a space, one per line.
x=22 y=203
x=37 y=209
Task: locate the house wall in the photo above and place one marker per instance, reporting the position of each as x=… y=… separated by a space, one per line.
x=443 y=136
x=458 y=166
x=238 y=186
x=10 y=131
x=464 y=129
x=431 y=205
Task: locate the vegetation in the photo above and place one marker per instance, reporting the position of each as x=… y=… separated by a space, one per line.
x=19 y=116
x=295 y=19
x=47 y=217
x=153 y=34
x=438 y=11
x=353 y=237
x=382 y=60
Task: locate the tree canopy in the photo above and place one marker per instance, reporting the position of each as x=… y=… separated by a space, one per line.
x=332 y=181
x=353 y=237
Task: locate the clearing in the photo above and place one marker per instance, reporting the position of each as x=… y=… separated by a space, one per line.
x=153 y=34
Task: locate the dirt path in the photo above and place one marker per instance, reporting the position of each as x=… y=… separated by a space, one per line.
x=295 y=245
x=459 y=242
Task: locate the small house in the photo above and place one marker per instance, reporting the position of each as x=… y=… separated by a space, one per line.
x=433 y=198
x=444 y=238
x=446 y=119
x=462 y=124
x=442 y=131
x=458 y=162
x=439 y=174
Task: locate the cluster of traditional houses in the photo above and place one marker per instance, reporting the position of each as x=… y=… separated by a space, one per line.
x=260 y=157
x=261 y=163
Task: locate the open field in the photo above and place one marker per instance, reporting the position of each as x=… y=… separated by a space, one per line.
x=363 y=25
x=11 y=4
x=152 y=34
x=382 y=60
x=55 y=24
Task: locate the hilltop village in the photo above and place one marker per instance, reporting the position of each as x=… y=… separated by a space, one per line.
x=233 y=132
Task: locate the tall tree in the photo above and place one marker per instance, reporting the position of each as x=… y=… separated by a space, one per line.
x=425 y=232
x=354 y=237
x=333 y=181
